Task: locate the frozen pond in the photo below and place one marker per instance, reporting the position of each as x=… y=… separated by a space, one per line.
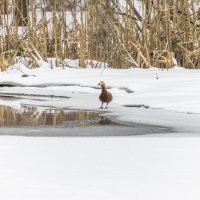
x=53 y=122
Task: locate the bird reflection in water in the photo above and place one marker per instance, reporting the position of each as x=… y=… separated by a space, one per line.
x=105 y=121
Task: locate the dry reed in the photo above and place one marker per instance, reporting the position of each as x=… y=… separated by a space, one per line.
x=163 y=34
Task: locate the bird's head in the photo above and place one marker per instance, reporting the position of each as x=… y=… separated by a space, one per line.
x=102 y=84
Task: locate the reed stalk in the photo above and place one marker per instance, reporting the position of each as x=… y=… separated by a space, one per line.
x=161 y=34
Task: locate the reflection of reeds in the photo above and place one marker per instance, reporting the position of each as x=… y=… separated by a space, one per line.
x=164 y=32
x=29 y=116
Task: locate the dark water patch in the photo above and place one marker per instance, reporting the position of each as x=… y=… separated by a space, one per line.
x=27 y=75
x=10 y=84
x=52 y=122
x=6 y=85
x=126 y=89
x=85 y=131
x=136 y=106
x=22 y=95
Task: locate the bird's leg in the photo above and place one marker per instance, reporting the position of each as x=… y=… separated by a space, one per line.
x=106 y=106
x=101 y=105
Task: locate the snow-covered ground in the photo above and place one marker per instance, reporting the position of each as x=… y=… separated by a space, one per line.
x=151 y=167
x=139 y=168
x=172 y=95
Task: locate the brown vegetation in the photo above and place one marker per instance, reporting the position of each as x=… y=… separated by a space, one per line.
x=163 y=33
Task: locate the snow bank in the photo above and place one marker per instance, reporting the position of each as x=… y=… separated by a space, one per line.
x=99 y=168
x=174 y=90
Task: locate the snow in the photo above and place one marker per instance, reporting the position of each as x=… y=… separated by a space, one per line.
x=141 y=167
x=48 y=16
x=99 y=168
x=137 y=4
x=175 y=93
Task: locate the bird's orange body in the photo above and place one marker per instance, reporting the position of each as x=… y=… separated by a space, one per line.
x=105 y=96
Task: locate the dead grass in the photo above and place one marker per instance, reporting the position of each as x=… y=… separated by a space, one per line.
x=164 y=33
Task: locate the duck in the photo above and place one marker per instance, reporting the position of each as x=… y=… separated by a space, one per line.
x=105 y=96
